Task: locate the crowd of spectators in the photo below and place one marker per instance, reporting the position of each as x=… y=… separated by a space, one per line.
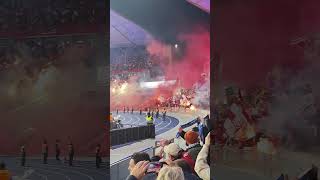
x=37 y=16
x=127 y=62
x=126 y=59
x=173 y=162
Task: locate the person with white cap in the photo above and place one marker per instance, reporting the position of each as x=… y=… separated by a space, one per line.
x=173 y=152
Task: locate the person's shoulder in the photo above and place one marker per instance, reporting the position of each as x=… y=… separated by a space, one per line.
x=130 y=177
x=190 y=176
x=150 y=176
x=194 y=149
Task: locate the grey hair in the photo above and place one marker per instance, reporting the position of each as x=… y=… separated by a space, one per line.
x=169 y=173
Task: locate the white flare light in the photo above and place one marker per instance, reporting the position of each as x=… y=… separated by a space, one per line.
x=156 y=84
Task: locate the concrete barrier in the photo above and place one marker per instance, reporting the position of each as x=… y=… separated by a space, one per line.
x=127 y=135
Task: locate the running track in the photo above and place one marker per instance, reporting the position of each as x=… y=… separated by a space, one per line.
x=136 y=119
x=55 y=170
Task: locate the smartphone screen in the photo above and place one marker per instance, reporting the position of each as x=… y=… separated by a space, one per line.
x=154 y=167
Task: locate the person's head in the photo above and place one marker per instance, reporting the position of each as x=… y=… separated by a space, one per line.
x=191 y=137
x=173 y=151
x=195 y=129
x=198 y=119
x=183 y=165
x=155 y=159
x=170 y=172
x=137 y=157
x=2 y=166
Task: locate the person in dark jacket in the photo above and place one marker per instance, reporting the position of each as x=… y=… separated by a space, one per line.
x=23 y=155
x=71 y=154
x=57 y=147
x=45 y=150
x=157 y=113
x=98 y=156
x=192 y=141
x=187 y=171
x=164 y=114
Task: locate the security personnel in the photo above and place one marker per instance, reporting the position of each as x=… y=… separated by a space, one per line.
x=149 y=119
x=164 y=115
x=140 y=112
x=70 y=153
x=45 y=152
x=23 y=155
x=98 y=156
x=57 y=150
x=157 y=114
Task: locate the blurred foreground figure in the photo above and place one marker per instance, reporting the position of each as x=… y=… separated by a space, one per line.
x=71 y=153
x=169 y=172
x=98 y=156
x=4 y=173
x=23 y=156
x=164 y=115
x=45 y=152
x=57 y=150
x=202 y=166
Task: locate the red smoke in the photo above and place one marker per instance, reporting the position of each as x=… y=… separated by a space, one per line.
x=188 y=70
x=195 y=61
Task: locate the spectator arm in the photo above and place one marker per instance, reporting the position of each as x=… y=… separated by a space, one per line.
x=182 y=134
x=202 y=167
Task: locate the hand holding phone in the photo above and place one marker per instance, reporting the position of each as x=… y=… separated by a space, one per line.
x=154 y=167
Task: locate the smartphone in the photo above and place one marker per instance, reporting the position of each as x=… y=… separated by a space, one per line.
x=154 y=167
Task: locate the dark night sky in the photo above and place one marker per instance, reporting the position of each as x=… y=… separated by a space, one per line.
x=164 y=19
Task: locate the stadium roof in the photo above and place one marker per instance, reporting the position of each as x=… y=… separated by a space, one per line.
x=202 y=4
x=124 y=33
